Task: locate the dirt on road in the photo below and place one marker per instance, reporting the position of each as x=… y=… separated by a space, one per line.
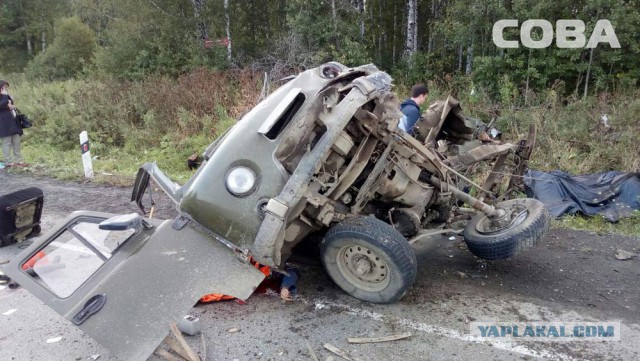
x=572 y=276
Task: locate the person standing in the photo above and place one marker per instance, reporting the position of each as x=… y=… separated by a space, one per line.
x=411 y=107
x=10 y=132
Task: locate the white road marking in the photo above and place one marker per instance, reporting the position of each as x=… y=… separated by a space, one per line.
x=449 y=333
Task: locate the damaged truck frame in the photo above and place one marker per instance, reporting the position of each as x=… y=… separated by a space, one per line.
x=322 y=155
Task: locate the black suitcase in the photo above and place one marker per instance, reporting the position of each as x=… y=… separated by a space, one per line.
x=20 y=214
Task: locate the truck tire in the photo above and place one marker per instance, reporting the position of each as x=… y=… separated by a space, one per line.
x=529 y=224
x=369 y=259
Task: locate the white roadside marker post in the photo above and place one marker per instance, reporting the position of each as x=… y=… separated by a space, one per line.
x=86 y=155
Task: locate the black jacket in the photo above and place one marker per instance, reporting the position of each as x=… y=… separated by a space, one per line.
x=8 y=125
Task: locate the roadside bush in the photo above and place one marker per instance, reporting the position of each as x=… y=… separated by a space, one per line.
x=135 y=114
x=72 y=49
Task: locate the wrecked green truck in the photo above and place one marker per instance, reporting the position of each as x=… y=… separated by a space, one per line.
x=322 y=156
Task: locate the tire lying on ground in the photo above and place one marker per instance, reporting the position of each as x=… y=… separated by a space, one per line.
x=369 y=259
x=529 y=224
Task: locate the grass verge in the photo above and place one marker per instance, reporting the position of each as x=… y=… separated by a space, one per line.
x=112 y=165
x=627 y=226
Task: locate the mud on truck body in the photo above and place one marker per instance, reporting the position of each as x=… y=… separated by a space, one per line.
x=322 y=155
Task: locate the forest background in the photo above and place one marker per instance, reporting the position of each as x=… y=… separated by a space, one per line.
x=157 y=80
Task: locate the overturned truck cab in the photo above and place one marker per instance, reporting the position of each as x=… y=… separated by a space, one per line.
x=321 y=155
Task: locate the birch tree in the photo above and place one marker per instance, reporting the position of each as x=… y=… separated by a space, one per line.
x=227 y=18
x=411 y=44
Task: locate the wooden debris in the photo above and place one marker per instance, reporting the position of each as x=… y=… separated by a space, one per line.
x=380 y=339
x=338 y=352
x=233 y=330
x=192 y=355
x=168 y=356
x=204 y=347
x=176 y=347
x=311 y=352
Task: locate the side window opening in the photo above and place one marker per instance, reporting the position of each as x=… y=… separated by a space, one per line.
x=74 y=256
x=286 y=117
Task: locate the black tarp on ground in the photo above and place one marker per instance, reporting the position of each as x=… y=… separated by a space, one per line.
x=613 y=195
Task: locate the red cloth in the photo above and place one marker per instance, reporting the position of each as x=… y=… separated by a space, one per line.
x=215 y=297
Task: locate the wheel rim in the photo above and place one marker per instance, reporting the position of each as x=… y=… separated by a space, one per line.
x=363 y=268
x=516 y=213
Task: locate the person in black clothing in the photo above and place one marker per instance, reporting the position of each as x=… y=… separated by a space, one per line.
x=411 y=107
x=10 y=132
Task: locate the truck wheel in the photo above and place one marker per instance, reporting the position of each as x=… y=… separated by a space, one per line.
x=529 y=221
x=369 y=259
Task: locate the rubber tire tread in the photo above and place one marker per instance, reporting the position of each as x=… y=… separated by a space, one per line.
x=510 y=243
x=386 y=242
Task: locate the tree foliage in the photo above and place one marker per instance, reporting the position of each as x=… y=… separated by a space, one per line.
x=72 y=49
x=136 y=39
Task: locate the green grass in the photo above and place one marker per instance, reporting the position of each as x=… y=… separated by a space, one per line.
x=112 y=165
x=629 y=226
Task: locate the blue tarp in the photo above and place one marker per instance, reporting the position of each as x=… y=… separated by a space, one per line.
x=613 y=195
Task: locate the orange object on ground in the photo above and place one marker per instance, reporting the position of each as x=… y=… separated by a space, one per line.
x=32 y=261
x=215 y=297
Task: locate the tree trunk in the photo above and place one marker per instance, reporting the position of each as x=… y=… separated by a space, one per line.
x=334 y=20
x=395 y=31
x=29 y=46
x=361 y=10
x=334 y=17
x=43 y=25
x=586 y=79
x=411 y=44
x=432 y=20
x=460 y=56
x=526 y=90
x=201 y=26
x=469 y=57
x=228 y=28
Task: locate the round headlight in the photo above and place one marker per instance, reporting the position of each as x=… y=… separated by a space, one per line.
x=330 y=71
x=241 y=181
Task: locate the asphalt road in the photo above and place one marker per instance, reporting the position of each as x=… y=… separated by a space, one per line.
x=571 y=277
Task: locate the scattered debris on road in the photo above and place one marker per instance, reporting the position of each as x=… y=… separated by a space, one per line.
x=7 y=313
x=380 y=339
x=233 y=330
x=311 y=352
x=54 y=339
x=190 y=325
x=179 y=346
x=623 y=255
x=338 y=352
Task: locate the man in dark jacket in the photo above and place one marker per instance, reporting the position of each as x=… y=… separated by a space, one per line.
x=411 y=107
x=10 y=132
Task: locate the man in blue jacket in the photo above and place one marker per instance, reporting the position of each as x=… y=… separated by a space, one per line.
x=411 y=107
